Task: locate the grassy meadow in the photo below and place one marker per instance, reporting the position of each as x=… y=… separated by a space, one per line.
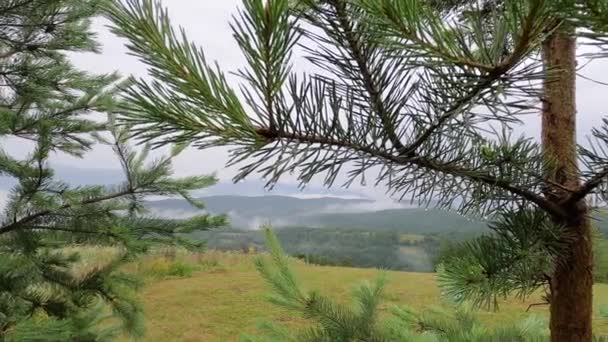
x=217 y=296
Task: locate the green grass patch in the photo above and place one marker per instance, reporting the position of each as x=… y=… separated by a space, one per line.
x=228 y=297
x=162 y=267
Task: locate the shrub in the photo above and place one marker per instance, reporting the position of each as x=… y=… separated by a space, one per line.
x=181 y=269
x=209 y=264
x=321 y=260
x=163 y=267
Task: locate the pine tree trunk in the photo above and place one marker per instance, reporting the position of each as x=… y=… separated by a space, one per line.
x=572 y=282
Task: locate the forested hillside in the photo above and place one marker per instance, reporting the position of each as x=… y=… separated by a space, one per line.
x=386 y=249
x=336 y=231
x=326 y=212
x=250 y=212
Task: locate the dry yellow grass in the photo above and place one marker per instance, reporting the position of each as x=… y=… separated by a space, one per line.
x=91 y=258
x=221 y=302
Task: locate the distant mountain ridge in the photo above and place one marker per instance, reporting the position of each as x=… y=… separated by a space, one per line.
x=250 y=212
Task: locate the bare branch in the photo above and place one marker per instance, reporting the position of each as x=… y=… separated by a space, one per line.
x=588 y=187
x=537 y=304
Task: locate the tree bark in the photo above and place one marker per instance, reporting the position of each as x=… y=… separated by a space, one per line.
x=572 y=281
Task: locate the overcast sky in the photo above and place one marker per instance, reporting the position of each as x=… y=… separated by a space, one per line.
x=207 y=23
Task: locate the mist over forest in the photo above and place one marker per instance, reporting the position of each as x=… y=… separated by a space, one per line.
x=355 y=232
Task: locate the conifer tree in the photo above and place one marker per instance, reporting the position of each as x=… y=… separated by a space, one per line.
x=420 y=97
x=53 y=285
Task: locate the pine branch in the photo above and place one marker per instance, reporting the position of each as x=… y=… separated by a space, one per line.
x=421 y=161
x=67 y=230
x=492 y=73
x=456 y=108
x=370 y=85
x=18 y=224
x=266 y=35
x=394 y=17
x=513 y=259
x=360 y=111
x=12 y=6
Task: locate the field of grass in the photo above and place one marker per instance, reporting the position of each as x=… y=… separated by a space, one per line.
x=224 y=296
